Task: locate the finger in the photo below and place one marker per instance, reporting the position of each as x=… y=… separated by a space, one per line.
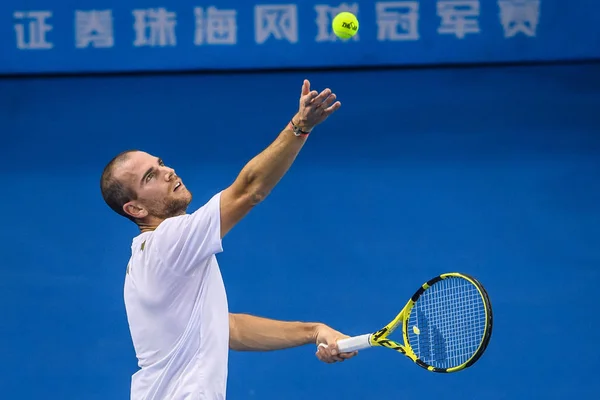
x=323 y=355
x=333 y=352
x=346 y=356
x=334 y=107
x=324 y=351
x=305 y=87
x=328 y=101
x=309 y=97
x=322 y=96
x=330 y=353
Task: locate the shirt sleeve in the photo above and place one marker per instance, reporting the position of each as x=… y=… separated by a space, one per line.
x=185 y=242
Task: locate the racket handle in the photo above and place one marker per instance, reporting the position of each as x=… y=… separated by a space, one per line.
x=354 y=343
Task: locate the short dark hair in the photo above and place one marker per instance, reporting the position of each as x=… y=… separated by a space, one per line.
x=114 y=192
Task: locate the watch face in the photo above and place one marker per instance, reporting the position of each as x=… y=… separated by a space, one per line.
x=297 y=131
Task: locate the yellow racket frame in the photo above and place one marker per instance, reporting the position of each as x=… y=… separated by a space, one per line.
x=380 y=337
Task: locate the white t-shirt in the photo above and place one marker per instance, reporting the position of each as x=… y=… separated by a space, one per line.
x=177 y=309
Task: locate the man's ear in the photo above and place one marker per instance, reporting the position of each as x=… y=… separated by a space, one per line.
x=135 y=210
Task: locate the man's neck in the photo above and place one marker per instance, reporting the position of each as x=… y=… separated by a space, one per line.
x=149 y=225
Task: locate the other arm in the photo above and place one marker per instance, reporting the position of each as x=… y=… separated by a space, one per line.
x=260 y=175
x=251 y=333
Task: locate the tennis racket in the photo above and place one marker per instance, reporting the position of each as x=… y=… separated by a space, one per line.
x=446 y=325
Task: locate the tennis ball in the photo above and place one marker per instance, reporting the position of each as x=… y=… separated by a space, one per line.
x=345 y=25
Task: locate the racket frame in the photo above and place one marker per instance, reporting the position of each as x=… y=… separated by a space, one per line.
x=380 y=337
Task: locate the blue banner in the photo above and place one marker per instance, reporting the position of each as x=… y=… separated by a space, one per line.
x=144 y=35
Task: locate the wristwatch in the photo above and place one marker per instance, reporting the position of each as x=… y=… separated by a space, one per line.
x=297 y=131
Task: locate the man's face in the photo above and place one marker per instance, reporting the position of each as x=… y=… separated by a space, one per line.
x=160 y=192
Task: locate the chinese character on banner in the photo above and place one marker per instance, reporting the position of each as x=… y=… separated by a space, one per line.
x=397 y=20
x=215 y=26
x=519 y=16
x=325 y=15
x=31 y=30
x=278 y=21
x=93 y=27
x=458 y=17
x=154 y=27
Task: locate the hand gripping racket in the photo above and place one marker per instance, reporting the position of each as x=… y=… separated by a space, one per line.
x=446 y=325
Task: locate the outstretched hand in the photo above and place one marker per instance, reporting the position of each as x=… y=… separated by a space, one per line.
x=315 y=107
x=327 y=350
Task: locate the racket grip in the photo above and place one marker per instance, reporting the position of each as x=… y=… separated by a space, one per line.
x=354 y=343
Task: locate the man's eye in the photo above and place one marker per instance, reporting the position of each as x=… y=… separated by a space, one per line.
x=149 y=177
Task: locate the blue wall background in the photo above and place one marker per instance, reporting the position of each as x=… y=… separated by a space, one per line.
x=140 y=35
x=490 y=171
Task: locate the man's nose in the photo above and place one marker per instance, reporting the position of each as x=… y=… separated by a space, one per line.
x=170 y=174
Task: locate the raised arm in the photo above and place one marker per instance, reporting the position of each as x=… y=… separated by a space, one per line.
x=260 y=175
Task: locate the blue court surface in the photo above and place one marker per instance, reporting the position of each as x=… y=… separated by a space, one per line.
x=490 y=171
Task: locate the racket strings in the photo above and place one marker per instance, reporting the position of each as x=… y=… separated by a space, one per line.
x=447 y=323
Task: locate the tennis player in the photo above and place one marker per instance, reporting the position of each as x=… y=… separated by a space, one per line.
x=174 y=295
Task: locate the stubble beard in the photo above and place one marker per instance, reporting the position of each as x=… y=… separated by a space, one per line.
x=172 y=207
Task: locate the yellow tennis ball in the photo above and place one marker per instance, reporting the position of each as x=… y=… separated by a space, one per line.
x=345 y=25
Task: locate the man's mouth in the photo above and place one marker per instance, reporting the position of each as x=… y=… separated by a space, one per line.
x=177 y=186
